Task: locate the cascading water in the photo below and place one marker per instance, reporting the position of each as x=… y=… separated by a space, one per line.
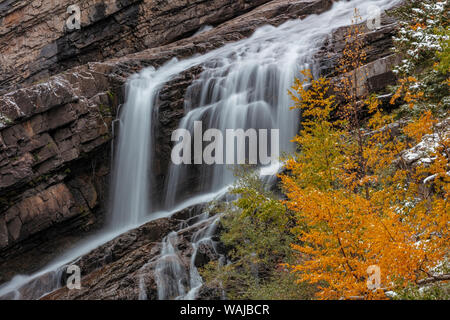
x=127 y=207
x=175 y=279
x=203 y=237
x=132 y=177
x=243 y=85
x=170 y=275
x=244 y=90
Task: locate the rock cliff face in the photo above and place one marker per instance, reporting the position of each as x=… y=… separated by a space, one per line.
x=54 y=159
x=56 y=134
x=35 y=41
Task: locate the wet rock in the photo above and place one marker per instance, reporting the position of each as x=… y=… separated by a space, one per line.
x=37 y=42
x=124 y=268
x=212 y=291
x=205 y=253
x=36 y=213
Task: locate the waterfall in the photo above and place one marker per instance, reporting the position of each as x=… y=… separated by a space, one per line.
x=245 y=86
x=242 y=85
x=174 y=279
x=130 y=193
x=132 y=178
x=201 y=237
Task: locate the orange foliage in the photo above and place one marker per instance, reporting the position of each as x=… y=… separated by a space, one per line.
x=357 y=201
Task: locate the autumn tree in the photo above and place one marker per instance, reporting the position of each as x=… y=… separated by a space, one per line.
x=358 y=200
x=353 y=99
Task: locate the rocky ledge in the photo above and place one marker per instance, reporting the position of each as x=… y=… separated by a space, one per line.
x=126 y=267
x=36 y=42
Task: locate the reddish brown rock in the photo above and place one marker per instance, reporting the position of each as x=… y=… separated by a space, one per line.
x=37 y=213
x=36 y=43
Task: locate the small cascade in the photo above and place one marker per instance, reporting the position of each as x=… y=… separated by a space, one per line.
x=201 y=239
x=170 y=274
x=37 y=287
x=175 y=273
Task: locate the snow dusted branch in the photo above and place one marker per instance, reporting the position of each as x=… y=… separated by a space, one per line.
x=437 y=278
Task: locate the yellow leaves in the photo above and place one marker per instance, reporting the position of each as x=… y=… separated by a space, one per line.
x=411 y=97
x=372 y=104
x=395 y=229
x=357 y=203
x=347 y=234
x=311 y=96
x=418 y=25
x=424 y=125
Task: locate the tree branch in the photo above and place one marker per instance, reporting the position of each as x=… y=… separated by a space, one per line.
x=442 y=277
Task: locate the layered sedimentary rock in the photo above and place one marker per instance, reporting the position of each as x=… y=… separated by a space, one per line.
x=54 y=161
x=56 y=135
x=36 y=41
